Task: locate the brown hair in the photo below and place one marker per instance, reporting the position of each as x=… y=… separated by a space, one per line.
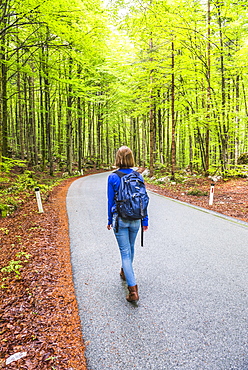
x=124 y=157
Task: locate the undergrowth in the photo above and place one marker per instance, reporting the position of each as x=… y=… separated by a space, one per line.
x=17 y=184
x=13 y=269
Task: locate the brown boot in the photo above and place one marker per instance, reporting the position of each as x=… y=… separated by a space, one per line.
x=133 y=294
x=122 y=275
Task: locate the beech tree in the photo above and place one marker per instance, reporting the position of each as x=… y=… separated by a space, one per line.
x=204 y=64
x=167 y=78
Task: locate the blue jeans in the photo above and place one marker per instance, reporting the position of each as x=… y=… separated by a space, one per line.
x=126 y=235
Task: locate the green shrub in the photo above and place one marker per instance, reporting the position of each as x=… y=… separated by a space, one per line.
x=238 y=171
x=8 y=164
x=197 y=192
x=14 y=266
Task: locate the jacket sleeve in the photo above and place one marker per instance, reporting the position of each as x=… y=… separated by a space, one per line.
x=113 y=184
x=145 y=221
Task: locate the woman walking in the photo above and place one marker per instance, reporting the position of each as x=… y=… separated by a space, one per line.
x=126 y=230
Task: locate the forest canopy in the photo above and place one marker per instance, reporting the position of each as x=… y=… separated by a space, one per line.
x=80 y=78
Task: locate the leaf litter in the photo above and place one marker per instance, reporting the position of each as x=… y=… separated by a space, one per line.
x=38 y=308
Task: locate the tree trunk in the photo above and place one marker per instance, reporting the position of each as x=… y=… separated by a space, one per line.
x=245 y=148
x=69 y=122
x=237 y=120
x=173 y=120
x=99 y=130
x=151 y=118
x=1 y=113
x=168 y=151
x=224 y=134
x=61 y=145
x=42 y=123
x=4 y=102
x=79 y=114
x=48 y=109
x=84 y=130
x=160 y=132
x=208 y=105
x=144 y=141
x=19 y=115
x=32 y=123
x=48 y=124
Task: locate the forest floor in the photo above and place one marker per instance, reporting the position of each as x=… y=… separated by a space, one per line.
x=38 y=308
x=230 y=196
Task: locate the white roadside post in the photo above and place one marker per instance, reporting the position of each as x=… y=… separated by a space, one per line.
x=37 y=193
x=211 y=197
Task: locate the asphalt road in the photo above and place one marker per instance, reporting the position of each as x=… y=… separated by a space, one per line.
x=192 y=275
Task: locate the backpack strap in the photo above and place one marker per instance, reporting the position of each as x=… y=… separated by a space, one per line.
x=119 y=173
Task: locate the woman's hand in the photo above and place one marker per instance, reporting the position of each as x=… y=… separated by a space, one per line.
x=145 y=228
x=109 y=227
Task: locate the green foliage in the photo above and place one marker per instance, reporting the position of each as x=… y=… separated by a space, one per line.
x=161 y=169
x=21 y=187
x=14 y=266
x=197 y=192
x=237 y=171
x=23 y=255
x=108 y=76
x=4 y=230
x=4 y=208
x=25 y=181
x=243 y=158
x=8 y=164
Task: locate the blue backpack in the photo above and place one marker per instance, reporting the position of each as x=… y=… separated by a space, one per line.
x=131 y=198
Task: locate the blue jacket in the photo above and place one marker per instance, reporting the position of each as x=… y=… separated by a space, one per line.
x=113 y=186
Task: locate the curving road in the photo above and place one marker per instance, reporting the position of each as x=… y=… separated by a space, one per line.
x=193 y=283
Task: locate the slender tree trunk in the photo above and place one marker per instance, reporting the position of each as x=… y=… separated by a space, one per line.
x=160 y=132
x=144 y=144
x=224 y=134
x=93 y=121
x=152 y=118
x=19 y=116
x=207 y=138
x=4 y=102
x=48 y=109
x=48 y=124
x=245 y=148
x=133 y=136
x=99 y=130
x=1 y=112
x=69 y=122
x=25 y=117
x=61 y=145
x=32 y=122
x=173 y=119
x=138 y=156
x=3 y=80
x=1 y=88
x=89 y=129
x=168 y=151
x=79 y=126
x=84 y=130
x=79 y=114
x=237 y=119
x=107 y=141
x=102 y=149
x=42 y=122
x=60 y=128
